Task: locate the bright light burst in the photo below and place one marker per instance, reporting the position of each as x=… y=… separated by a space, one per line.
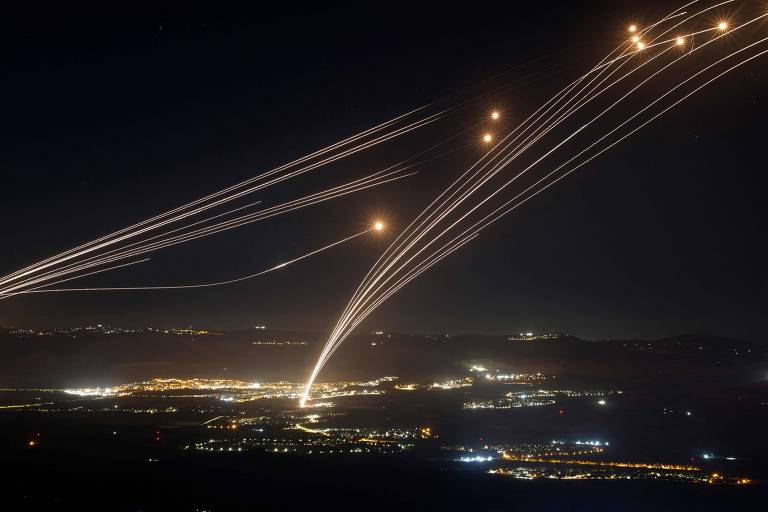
x=487 y=138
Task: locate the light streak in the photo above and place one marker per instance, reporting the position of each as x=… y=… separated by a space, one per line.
x=432 y=210
x=336 y=336
x=137 y=247
x=436 y=257
x=550 y=117
x=369 y=293
x=110 y=240
x=201 y=285
x=336 y=333
x=361 y=141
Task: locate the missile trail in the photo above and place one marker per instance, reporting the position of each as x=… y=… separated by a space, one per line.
x=556 y=98
x=574 y=98
x=436 y=257
x=250 y=190
x=342 y=190
x=201 y=285
x=233 y=192
x=101 y=258
x=464 y=196
x=217 y=194
x=143 y=246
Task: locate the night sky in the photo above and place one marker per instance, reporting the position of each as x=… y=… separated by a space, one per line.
x=110 y=116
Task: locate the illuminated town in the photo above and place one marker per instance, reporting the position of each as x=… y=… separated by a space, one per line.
x=492 y=421
x=227 y=423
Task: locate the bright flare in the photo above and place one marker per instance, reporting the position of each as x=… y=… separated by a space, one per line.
x=680 y=41
x=495 y=115
x=487 y=137
x=722 y=26
x=635 y=39
x=378 y=226
x=640 y=45
x=633 y=28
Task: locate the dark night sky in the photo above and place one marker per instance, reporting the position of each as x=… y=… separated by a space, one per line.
x=110 y=116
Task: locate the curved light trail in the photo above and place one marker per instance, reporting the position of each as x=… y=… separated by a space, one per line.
x=378 y=226
x=411 y=248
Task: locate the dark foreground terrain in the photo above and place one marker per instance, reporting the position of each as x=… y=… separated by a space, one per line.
x=85 y=470
x=196 y=421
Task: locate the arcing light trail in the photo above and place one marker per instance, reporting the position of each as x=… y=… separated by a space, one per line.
x=343 y=335
x=165 y=240
x=396 y=127
x=404 y=255
x=143 y=247
x=431 y=211
x=161 y=220
x=378 y=226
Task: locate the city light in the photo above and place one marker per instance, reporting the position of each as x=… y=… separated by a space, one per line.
x=487 y=138
x=495 y=115
x=722 y=25
x=378 y=226
x=476 y=458
x=633 y=28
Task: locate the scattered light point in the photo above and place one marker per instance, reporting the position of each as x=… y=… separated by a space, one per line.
x=487 y=137
x=378 y=226
x=495 y=115
x=633 y=28
x=680 y=41
x=640 y=45
x=635 y=39
x=722 y=25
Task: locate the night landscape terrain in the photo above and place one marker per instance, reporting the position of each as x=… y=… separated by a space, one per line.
x=384 y=256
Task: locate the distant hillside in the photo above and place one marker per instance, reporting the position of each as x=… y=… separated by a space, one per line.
x=105 y=356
